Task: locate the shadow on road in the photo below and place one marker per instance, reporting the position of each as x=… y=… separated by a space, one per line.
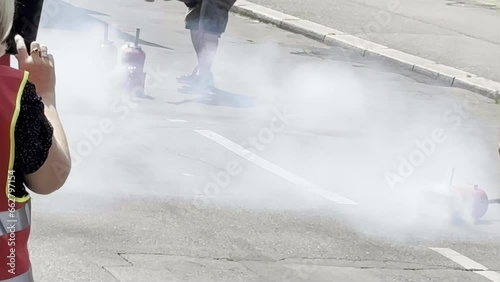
x=219 y=97
x=228 y=99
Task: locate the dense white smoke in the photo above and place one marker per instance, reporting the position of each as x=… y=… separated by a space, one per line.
x=350 y=127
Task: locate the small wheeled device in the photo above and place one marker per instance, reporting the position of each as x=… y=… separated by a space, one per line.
x=463 y=202
x=131 y=59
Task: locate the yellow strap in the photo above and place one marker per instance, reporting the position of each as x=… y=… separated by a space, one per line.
x=12 y=135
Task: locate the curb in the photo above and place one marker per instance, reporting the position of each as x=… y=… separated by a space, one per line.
x=331 y=37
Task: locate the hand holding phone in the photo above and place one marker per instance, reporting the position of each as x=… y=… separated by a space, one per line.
x=40 y=65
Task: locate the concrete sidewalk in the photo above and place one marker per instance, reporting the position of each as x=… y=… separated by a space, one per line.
x=460 y=34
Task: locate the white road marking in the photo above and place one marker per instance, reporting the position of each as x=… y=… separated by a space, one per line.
x=176 y=120
x=492 y=275
x=281 y=172
x=190 y=175
x=468 y=264
x=462 y=260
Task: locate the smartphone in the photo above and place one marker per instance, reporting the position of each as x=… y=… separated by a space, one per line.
x=26 y=21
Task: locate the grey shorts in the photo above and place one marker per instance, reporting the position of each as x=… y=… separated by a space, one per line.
x=209 y=16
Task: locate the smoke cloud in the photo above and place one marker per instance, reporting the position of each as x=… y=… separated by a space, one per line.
x=349 y=128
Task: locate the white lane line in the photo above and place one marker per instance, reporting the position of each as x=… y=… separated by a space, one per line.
x=468 y=264
x=492 y=275
x=462 y=260
x=281 y=172
x=176 y=120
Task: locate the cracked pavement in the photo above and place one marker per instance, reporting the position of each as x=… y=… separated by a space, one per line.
x=148 y=200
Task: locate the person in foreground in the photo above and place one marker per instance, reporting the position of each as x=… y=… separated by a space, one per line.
x=207 y=20
x=34 y=153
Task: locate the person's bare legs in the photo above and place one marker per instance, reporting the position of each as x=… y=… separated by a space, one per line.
x=196 y=40
x=209 y=44
x=211 y=23
x=205 y=45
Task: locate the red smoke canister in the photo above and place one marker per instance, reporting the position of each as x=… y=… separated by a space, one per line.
x=475 y=199
x=133 y=58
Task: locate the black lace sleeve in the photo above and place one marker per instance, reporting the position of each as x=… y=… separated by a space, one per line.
x=33 y=133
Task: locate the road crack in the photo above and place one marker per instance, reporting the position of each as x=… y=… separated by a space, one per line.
x=307 y=261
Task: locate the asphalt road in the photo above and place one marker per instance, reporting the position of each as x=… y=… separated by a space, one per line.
x=460 y=34
x=280 y=176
